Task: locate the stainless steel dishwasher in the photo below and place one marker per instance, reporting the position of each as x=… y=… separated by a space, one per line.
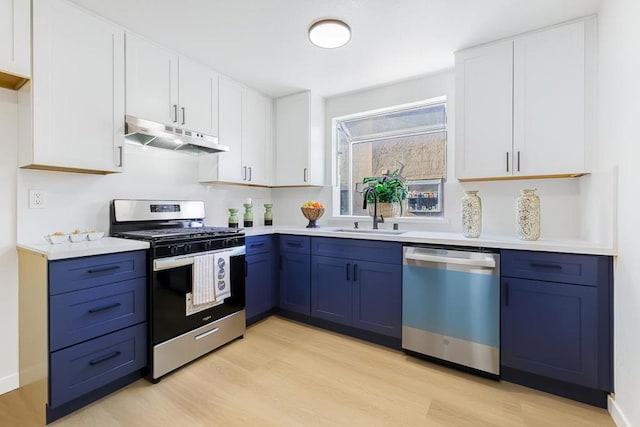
x=451 y=306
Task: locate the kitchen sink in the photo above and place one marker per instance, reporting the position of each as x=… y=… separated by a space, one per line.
x=368 y=231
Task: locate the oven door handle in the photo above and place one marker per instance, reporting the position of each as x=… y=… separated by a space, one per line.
x=165 y=264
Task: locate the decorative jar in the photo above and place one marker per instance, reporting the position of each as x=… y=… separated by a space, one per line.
x=248 y=215
x=471 y=214
x=268 y=215
x=528 y=215
x=233 y=218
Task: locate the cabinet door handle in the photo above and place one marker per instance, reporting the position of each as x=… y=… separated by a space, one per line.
x=244 y=173
x=355 y=272
x=175 y=113
x=518 y=161
x=250 y=174
x=506 y=293
x=183 y=115
x=104 y=358
x=103 y=269
x=120 y=150
x=507 y=161
x=547 y=266
x=348 y=268
x=246 y=269
x=305 y=174
x=104 y=307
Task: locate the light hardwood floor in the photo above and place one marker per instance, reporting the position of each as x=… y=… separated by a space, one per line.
x=288 y=374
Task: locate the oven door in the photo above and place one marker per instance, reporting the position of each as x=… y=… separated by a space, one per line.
x=172 y=310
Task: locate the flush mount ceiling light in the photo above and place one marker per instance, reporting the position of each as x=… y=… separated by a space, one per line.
x=329 y=33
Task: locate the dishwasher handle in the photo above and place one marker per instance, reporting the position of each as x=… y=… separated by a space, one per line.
x=489 y=262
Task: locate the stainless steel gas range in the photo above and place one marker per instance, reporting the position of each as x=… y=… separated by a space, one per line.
x=196 y=294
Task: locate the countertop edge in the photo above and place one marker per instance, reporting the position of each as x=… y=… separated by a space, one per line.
x=106 y=245
x=444 y=238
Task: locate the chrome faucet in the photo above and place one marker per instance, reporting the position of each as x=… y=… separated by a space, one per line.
x=365 y=193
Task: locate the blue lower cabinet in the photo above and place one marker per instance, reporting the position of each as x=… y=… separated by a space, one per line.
x=295 y=282
x=550 y=329
x=259 y=285
x=377 y=298
x=82 y=368
x=331 y=289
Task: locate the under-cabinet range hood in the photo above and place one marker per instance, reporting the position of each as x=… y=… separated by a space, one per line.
x=152 y=134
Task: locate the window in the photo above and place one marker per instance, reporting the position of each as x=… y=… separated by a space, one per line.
x=408 y=138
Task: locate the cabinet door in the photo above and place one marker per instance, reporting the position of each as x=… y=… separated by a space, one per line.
x=198 y=97
x=254 y=142
x=331 y=289
x=377 y=298
x=230 y=133
x=549 y=101
x=484 y=97
x=259 y=284
x=152 y=81
x=78 y=89
x=293 y=116
x=15 y=37
x=550 y=329
x=295 y=282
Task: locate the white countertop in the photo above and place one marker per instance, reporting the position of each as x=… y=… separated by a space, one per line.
x=106 y=245
x=444 y=238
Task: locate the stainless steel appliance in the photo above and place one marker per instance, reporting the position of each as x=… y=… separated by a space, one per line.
x=187 y=318
x=451 y=306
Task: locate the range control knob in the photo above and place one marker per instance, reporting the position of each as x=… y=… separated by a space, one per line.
x=207 y=245
x=173 y=250
x=187 y=248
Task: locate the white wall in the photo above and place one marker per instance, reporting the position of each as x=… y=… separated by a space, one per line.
x=619 y=147
x=560 y=198
x=8 y=254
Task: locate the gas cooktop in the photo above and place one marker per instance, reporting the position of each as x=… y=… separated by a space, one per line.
x=180 y=232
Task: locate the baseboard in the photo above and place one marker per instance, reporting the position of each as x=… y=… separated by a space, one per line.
x=618 y=417
x=10 y=382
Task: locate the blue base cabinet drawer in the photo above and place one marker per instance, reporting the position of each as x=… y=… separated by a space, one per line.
x=81 y=273
x=82 y=315
x=366 y=250
x=258 y=245
x=78 y=370
x=291 y=243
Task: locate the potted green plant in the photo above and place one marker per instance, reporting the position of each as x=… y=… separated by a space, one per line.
x=390 y=191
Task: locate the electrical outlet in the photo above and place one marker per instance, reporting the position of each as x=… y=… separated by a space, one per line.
x=37 y=199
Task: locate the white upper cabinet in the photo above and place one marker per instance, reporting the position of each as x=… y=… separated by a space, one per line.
x=245 y=127
x=152 y=81
x=484 y=110
x=15 y=42
x=165 y=88
x=76 y=102
x=524 y=106
x=299 y=156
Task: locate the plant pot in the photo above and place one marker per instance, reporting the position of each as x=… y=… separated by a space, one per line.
x=387 y=210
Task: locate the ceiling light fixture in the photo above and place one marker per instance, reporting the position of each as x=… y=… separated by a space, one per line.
x=329 y=33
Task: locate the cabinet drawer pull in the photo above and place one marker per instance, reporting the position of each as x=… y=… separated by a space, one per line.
x=103 y=270
x=348 y=268
x=548 y=266
x=355 y=272
x=104 y=307
x=295 y=244
x=104 y=358
x=256 y=245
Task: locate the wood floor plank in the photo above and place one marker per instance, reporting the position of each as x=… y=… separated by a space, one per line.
x=284 y=373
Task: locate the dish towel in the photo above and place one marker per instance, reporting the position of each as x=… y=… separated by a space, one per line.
x=222 y=275
x=203 y=279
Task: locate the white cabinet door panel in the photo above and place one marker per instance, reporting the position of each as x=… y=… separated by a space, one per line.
x=152 y=81
x=230 y=167
x=255 y=138
x=549 y=101
x=293 y=116
x=484 y=111
x=198 y=93
x=78 y=91
x=15 y=37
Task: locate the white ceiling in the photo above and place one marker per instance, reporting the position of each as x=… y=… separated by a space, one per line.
x=263 y=43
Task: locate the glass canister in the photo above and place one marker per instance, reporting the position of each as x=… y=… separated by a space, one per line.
x=471 y=214
x=528 y=215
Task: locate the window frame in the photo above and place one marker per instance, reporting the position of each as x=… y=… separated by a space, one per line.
x=335 y=169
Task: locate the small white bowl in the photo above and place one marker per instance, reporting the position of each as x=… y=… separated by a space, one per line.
x=56 y=239
x=78 y=237
x=96 y=235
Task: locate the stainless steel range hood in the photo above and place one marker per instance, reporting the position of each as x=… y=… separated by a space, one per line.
x=152 y=134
